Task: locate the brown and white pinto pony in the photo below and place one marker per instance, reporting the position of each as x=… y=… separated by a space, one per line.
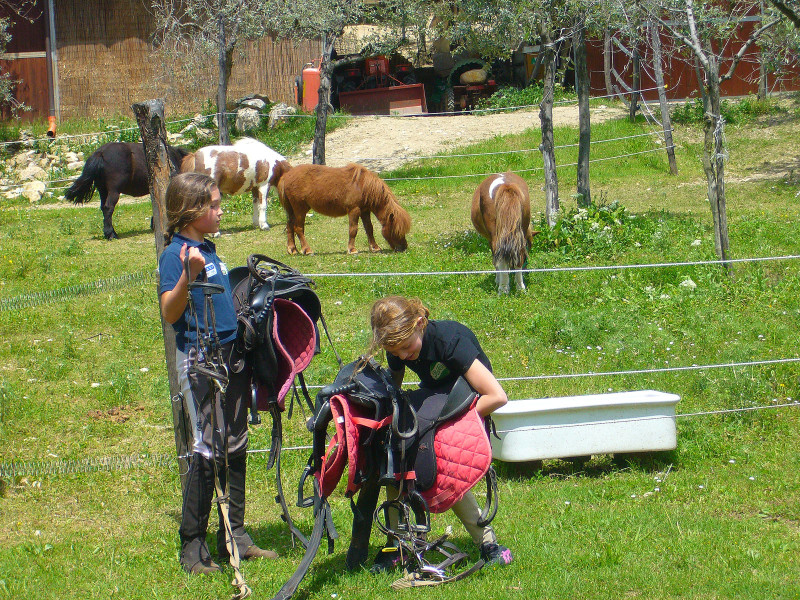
x=501 y=212
x=246 y=166
x=335 y=192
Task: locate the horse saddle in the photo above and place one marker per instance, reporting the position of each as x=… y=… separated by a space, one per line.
x=276 y=312
x=452 y=449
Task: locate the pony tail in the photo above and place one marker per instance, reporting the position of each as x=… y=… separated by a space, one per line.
x=512 y=243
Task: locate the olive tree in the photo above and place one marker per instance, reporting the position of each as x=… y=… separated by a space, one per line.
x=23 y=9
x=324 y=20
x=704 y=29
x=191 y=33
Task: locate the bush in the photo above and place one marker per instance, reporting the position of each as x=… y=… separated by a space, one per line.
x=584 y=230
x=735 y=112
x=508 y=97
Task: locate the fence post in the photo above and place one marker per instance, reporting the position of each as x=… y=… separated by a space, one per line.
x=150 y=116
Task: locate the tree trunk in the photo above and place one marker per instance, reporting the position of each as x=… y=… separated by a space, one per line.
x=222 y=86
x=547 y=147
x=762 y=71
x=655 y=41
x=636 y=84
x=324 y=100
x=714 y=162
x=584 y=124
x=607 y=56
x=150 y=116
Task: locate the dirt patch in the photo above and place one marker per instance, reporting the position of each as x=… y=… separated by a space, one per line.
x=384 y=143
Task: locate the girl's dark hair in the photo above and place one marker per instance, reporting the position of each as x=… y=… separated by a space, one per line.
x=188 y=198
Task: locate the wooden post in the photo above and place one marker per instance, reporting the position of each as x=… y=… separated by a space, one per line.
x=634 y=106
x=584 y=123
x=150 y=116
x=666 y=123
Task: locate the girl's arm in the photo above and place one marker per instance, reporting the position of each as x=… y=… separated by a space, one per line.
x=174 y=301
x=492 y=395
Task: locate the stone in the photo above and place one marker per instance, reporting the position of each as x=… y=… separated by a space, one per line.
x=34 y=190
x=256 y=103
x=32 y=172
x=247 y=118
x=279 y=113
x=75 y=165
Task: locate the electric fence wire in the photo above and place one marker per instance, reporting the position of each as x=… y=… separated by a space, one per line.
x=15 y=470
x=50 y=188
x=40 y=298
x=57 y=295
x=203 y=117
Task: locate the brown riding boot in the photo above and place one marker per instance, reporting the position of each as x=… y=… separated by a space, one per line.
x=196 y=559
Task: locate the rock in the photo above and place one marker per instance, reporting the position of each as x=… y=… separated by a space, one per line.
x=247 y=118
x=24 y=158
x=256 y=103
x=71 y=157
x=32 y=172
x=33 y=190
x=75 y=165
x=279 y=113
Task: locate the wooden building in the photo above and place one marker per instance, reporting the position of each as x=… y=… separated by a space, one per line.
x=92 y=58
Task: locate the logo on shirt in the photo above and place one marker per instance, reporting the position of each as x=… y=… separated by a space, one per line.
x=223 y=268
x=438 y=370
x=211 y=270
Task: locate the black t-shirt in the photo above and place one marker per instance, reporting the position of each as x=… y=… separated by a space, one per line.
x=448 y=351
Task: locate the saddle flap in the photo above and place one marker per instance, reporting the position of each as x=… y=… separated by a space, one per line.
x=460 y=399
x=295 y=339
x=463 y=456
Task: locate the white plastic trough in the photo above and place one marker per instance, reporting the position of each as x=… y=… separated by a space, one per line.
x=538 y=429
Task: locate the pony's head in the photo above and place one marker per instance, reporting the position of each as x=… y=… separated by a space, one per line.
x=396 y=224
x=281 y=167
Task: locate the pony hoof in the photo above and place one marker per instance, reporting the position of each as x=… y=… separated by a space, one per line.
x=264 y=227
x=292 y=251
x=352 y=251
x=375 y=249
x=503 y=291
x=308 y=252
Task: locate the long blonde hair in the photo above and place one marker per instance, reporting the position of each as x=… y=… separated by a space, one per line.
x=394 y=319
x=188 y=199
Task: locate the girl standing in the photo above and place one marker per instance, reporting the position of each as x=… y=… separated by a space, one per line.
x=193 y=210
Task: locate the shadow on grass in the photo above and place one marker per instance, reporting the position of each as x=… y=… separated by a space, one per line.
x=587 y=466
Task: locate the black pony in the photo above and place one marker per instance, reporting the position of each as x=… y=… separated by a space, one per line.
x=113 y=169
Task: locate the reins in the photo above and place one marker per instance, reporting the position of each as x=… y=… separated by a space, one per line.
x=211 y=365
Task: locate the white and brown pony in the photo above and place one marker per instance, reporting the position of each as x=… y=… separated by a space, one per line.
x=335 y=192
x=501 y=212
x=247 y=166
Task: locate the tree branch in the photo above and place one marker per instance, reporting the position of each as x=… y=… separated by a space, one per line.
x=787 y=12
x=739 y=55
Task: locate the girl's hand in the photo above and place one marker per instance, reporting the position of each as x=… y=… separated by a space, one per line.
x=196 y=261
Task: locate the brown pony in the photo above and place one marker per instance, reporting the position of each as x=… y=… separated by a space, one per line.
x=501 y=212
x=334 y=192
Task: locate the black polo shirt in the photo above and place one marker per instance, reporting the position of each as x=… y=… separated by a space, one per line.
x=448 y=351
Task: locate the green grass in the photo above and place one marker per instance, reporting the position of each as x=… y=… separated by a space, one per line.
x=82 y=377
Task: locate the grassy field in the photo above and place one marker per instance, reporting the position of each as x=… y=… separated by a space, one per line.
x=90 y=504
